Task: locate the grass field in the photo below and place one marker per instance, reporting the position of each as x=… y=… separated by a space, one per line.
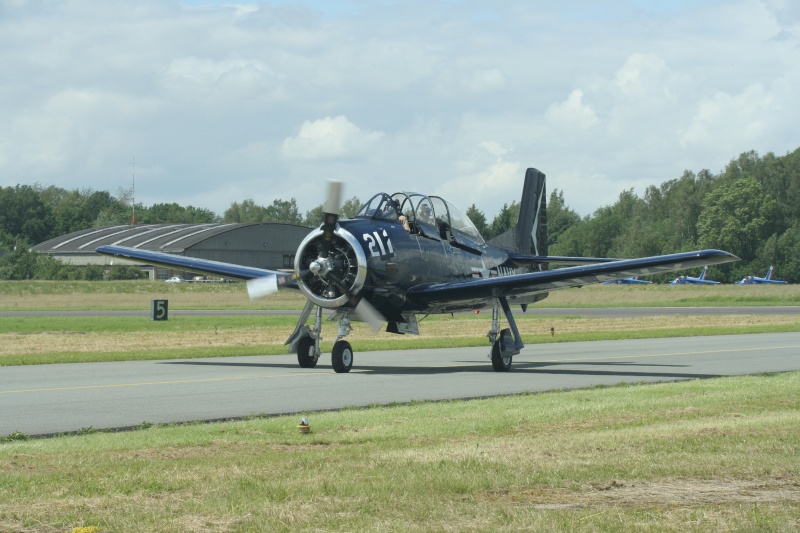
x=66 y=295
x=40 y=340
x=705 y=455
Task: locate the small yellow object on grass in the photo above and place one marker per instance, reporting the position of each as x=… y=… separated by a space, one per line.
x=304 y=427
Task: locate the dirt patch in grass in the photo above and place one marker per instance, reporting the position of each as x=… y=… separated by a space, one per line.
x=664 y=493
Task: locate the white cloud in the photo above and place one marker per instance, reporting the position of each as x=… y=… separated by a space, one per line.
x=329 y=138
x=209 y=80
x=733 y=120
x=572 y=113
x=455 y=98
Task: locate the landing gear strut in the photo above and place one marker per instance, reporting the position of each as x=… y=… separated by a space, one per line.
x=305 y=341
x=506 y=343
x=342 y=353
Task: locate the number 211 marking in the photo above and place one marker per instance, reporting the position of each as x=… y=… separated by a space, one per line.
x=375 y=239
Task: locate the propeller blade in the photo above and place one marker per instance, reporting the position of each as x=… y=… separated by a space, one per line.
x=331 y=208
x=367 y=313
x=258 y=288
x=333 y=201
x=262 y=287
x=364 y=310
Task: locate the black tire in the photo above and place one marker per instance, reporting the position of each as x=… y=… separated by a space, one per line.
x=306 y=353
x=500 y=363
x=342 y=357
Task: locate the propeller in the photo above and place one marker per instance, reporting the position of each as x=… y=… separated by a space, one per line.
x=323 y=266
x=365 y=311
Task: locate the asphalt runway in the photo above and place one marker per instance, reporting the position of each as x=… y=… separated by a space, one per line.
x=50 y=399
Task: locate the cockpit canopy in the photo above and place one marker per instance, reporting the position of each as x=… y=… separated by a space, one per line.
x=428 y=215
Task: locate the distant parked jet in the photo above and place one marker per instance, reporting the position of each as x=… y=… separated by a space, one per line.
x=756 y=280
x=627 y=281
x=700 y=280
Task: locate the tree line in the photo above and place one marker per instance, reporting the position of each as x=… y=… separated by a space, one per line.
x=751 y=209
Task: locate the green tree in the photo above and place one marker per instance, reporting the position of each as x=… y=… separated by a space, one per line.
x=24 y=215
x=478 y=218
x=573 y=241
x=350 y=207
x=247 y=211
x=18 y=264
x=50 y=268
x=736 y=217
x=175 y=214
x=782 y=252
x=313 y=217
x=93 y=273
x=76 y=210
x=504 y=220
x=122 y=272
x=282 y=211
x=559 y=217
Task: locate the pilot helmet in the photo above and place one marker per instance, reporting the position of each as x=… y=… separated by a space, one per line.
x=425 y=209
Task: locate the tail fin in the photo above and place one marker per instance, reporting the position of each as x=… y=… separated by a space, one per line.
x=529 y=236
x=769 y=274
x=703 y=273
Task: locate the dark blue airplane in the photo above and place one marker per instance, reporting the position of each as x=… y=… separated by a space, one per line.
x=755 y=280
x=407 y=254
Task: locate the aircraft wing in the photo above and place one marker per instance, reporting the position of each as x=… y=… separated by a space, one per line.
x=194 y=264
x=525 y=260
x=518 y=285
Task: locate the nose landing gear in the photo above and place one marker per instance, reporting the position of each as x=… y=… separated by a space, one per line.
x=305 y=342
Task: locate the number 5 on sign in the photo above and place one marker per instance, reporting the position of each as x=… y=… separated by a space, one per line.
x=159 y=310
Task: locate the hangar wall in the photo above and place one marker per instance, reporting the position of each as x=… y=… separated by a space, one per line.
x=261 y=245
x=264 y=246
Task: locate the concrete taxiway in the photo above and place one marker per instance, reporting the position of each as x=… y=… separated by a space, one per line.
x=49 y=399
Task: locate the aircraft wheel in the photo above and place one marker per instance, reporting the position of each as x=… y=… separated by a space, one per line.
x=500 y=363
x=306 y=353
x=342 y=357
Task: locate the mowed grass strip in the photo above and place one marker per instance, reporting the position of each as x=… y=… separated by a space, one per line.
x=704 y=455
x=42 y=340
x=131 y=295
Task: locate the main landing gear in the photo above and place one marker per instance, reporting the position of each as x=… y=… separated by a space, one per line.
x=305 y=341
x=506 y=343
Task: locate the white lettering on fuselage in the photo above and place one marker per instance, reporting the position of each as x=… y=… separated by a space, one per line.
x=377 y=240
x=498 y=271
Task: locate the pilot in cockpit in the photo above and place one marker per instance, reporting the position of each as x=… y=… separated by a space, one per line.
x=424 y=214
x=400 y=216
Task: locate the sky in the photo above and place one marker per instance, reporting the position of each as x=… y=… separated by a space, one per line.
x=206 y=103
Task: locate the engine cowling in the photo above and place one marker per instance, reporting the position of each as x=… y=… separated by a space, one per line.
x=330 y=281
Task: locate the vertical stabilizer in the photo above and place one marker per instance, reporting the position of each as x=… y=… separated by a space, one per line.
x=703 y=273
x=529 y=236
x=769 y=274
